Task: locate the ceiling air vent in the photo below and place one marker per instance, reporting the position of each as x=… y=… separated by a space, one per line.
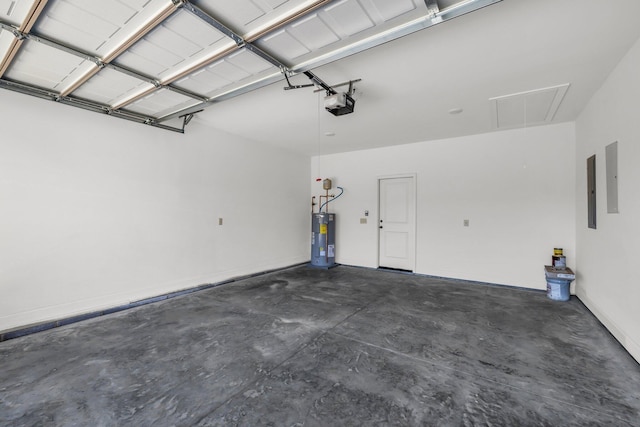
x=534 y=107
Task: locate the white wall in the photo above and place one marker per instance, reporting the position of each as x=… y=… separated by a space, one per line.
x=97 y=211
x=609 y=280
x=515 y=187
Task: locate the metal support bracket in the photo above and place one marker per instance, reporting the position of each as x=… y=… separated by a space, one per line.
x=350 y=83
x=187 y=118
x=318 y=81
x=432 y=7
x=290 y=86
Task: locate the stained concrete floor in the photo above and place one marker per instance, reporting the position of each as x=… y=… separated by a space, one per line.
x=308 y=347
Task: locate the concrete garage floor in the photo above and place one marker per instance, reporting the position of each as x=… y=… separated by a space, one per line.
x=307 y=347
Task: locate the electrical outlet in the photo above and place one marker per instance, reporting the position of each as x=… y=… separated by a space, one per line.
x=219 y=221
x=466 y=223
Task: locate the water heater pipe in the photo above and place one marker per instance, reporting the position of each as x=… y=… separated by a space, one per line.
x=331 y=200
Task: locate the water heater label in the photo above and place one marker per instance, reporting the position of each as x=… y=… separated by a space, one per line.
x=331 y=250
x=323 y=228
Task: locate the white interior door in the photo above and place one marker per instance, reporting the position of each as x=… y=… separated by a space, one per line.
x=397 y=224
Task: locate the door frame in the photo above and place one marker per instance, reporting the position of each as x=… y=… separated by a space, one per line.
x=414 y=176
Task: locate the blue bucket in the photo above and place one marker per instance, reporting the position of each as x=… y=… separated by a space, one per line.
x=558 y=289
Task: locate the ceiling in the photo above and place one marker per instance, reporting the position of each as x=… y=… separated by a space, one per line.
x=418 y=73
